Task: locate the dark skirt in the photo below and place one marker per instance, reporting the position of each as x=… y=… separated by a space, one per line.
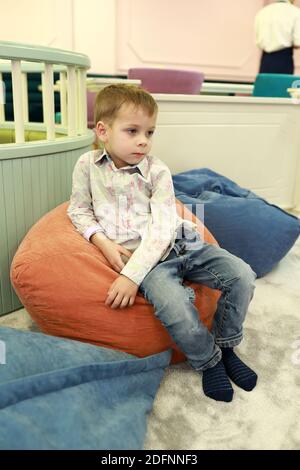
x=277 y=62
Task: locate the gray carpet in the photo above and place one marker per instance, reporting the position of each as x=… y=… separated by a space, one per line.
x=266 y=418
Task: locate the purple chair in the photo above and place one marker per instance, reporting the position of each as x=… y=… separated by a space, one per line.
x=156 y=80
x=90 y=99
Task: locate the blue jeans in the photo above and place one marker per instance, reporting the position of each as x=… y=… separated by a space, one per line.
x=193 y=260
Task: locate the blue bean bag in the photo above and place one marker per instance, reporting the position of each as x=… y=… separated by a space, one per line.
x=243 y=223
x=61 y=394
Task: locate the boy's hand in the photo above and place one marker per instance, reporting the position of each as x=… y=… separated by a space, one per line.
x=114 y=253
x=121 y=293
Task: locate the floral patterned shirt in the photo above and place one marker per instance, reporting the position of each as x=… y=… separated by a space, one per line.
x=133 y=206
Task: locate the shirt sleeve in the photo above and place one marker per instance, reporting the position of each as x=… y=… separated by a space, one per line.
x=81 y=210
x=160 y=229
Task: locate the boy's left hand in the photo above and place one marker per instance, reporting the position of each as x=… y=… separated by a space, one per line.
x=121 y=293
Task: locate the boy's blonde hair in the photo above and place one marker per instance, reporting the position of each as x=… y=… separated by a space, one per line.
x=110 y=99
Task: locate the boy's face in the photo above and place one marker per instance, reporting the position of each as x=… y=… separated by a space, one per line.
x=129 y=138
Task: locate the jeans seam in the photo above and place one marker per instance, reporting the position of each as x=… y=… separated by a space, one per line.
x=231 y=338
x=215 y=276
x=212 y=361
x=224 y=315
x=225 y=293
x=231 y=343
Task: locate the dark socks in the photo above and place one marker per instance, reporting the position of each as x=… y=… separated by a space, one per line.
x=216 y=384
x=237 y=371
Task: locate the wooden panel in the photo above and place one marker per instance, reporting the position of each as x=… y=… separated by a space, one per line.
x=255 y=142
x=48 y=23
x=214 y=37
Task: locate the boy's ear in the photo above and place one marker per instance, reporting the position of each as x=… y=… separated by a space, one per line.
x=101 y=130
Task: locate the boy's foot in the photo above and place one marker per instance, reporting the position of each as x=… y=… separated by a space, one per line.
x=216 y=384
x=237 y=371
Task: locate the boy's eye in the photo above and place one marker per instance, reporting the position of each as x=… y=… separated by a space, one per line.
x=131 y=131
x=150 y=133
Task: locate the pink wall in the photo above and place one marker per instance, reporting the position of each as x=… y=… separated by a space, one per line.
x=207 y=35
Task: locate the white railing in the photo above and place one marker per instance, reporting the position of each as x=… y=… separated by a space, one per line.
x=20 y=59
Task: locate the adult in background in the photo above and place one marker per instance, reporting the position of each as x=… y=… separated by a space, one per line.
x=277 y=32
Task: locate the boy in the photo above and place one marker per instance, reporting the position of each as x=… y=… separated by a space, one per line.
x=123 y=202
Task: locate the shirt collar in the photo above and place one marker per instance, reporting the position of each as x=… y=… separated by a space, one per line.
x=142 y=167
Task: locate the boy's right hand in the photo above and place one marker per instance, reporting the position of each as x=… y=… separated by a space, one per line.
x=112 y=252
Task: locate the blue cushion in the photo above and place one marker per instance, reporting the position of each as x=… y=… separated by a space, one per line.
x=242 y=223
x=63 y=394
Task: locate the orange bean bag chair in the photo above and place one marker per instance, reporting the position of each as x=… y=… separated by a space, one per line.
x=62 y=281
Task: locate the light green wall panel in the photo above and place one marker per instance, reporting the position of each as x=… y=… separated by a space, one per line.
x=29 y=188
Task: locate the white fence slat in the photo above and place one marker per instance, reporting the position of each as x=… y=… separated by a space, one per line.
x=18 y=101
x=2 y=99
x=63 y=99
x=25 y=97
x=82 y=101
x=72 y=101
x=48 y=93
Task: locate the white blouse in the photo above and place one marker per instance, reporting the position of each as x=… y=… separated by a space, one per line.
x=277 y=26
